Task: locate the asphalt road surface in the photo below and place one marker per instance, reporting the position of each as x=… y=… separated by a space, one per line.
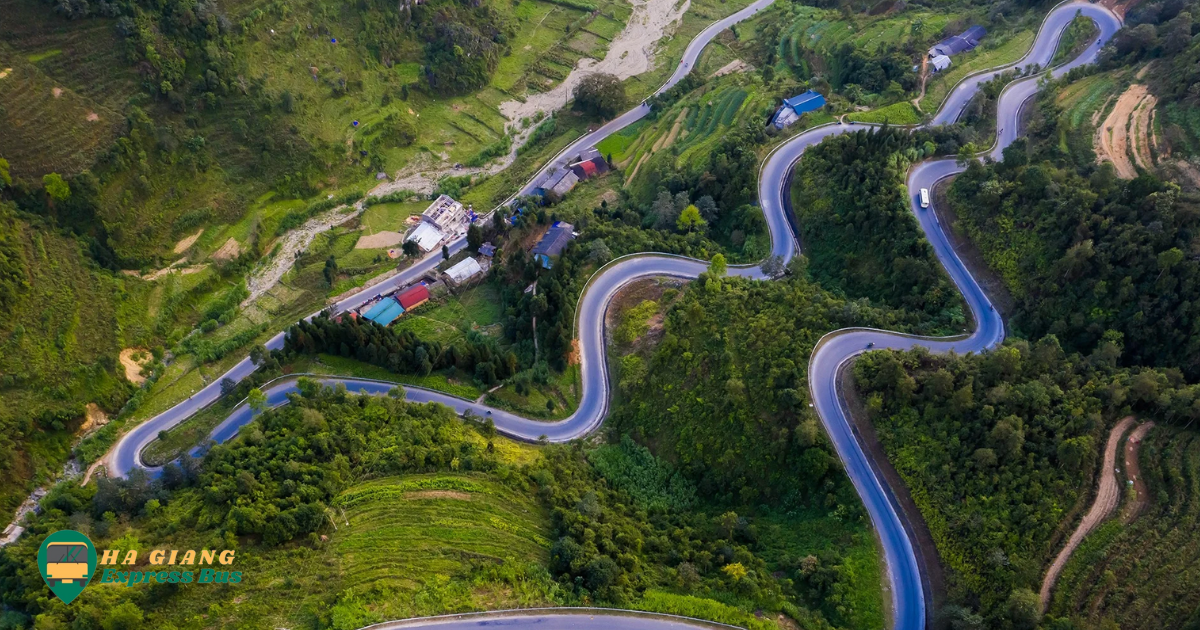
x=833 y=351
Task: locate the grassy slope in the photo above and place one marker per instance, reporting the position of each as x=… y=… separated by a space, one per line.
x=993 y=51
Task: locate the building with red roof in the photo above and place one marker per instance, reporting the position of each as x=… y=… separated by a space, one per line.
x=413 y=297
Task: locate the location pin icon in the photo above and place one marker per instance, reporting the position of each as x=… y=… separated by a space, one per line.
x=67 y=560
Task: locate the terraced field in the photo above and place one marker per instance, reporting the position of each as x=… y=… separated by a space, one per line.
x=408 y=531
x=1144 y=574
x=692 y=125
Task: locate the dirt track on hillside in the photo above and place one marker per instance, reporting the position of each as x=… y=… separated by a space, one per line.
x=1133 y=472
x=1107 y=498
x=1127 y=127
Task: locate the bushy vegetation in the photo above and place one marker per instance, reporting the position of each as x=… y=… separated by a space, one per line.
x=998 y=449
x=401 y=350
x=853 y=212
x=1088 y=257
x=308 y=496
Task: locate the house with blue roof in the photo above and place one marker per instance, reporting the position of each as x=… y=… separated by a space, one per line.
x=795 y=107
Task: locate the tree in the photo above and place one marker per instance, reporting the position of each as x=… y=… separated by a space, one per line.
x=736 y=571
x=257 y=400
x=966 y=154
x=125 y=616
x=411 y=249
x=664 y=210
x=707 y=207
x=257 y=354
x=601 y=95
x=5 y=178
x=598 y=251
x=474 y=237
x=689 y=220
x=56 y=187
x=331 y=270
x=227 y=386
x=718 y=266
x=1024 y=609
x=445 y=253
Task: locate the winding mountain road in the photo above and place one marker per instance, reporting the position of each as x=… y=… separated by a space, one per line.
x=832 y=352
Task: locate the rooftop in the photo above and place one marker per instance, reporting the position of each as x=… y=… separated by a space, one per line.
x=555 y=240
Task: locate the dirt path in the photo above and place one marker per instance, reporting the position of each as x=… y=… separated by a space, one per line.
x=1107 y=497
x=1126 y=126
x=1133 y=472
x=1141 y=132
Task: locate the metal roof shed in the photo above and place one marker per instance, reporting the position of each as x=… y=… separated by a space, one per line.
x=465 y=270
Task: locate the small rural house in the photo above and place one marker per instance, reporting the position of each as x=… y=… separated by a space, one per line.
x=553 y=242
x=956 y=44
x=560 y=182
x=939 y=63
x=795 y=107
x=487 y=249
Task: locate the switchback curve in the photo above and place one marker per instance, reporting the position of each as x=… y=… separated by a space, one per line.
x=833 y=351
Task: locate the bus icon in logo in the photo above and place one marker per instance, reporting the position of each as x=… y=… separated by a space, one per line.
x=67 y=560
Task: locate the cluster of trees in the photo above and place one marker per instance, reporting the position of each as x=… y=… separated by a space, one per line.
x=724 y=393
x=886 y=71
x=400 y=351
x=463 y=44
x=727 y=176
x=858 y=231
x=551 y=305
x=998 y=449
x=601 y=95
x=1089 y=257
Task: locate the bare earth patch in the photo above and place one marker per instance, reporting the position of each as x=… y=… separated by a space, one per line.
x=228 y=251
x=93 y=418
x=1107 y=497
x=438 y=494
x=1126 y=126
x=133 y=367
x=57 y=92
x=92 y=116
x=378 y=240
x=737 y=65
x=186 y=242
